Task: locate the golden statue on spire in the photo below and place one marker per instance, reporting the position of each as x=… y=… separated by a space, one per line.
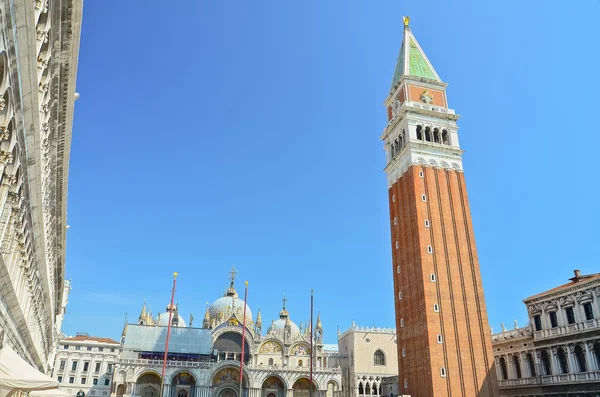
x=406 y=21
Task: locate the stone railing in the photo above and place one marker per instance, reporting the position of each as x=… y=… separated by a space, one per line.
x=552 y=379
x=416 y=105
x=209 y=364
x=567 y=329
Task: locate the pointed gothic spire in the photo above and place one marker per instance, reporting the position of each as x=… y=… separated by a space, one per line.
x=206 y=321
x=143 y=314
x=258 y=319
x=412 y=60
x=319 y=326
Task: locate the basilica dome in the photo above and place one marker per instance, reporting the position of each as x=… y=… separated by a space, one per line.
x=163 y=318
x=278 y=327
x=223 y=308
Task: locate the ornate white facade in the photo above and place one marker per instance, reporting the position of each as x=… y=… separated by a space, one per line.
x=372 y=357
x=205 y=361
x=558 y=352
x=86 y=363
x=39 y=46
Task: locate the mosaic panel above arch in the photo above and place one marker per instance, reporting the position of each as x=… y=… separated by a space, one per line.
x=300 y=350
x=226 y=375
x=271 y=348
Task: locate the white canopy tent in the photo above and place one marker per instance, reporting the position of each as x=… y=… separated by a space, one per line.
x=49 y=393
x=17 y=374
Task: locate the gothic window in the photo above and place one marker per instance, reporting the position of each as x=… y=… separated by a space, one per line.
x=589 y=313
x=503 y=368
x=401 y=142
x=445 y=139
x=392 y=151
x=562 y=360
x=368 y=390
x=580 y=355
x=379 y=390
x=436 y=135
x=546 y=363
x=428 y=134
x=379 y=358
x=531 y=364
x=570 y=315
x=538 y=323
x=397 y=146
x=517 y=366
x=553 y=319
x=419 y=133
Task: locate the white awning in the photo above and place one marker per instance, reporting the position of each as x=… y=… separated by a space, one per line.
x=17 y=374
x=49 y=393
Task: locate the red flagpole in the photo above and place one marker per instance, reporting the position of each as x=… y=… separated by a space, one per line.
x=164 y=367
x=311 y=342
x=243 y=339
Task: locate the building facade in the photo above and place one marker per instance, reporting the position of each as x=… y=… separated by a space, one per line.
x=86 y=363
x=372 y=356
x=39 y=46
x=558 y=352
x=444 y=342
x=205 y=361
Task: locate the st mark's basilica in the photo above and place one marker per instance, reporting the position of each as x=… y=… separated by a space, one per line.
x=205 y=361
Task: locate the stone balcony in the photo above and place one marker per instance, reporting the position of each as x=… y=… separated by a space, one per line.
x=558 y=379
x=565 y=330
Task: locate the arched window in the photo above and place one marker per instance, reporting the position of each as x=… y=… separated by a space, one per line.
x=397 y=146
x=428 y=134
x=401 y=143
x=580 y=358
x=379 y=358
x=436 y=135
x=517 y=366
x=404 y=136
x=368 y=390
x=270 y=361
x=445 y=139
x=503 y=368
x=531 y=364
x=546 y=363
x=419 y=133
x=562 y=360
x=392 y=151
x=361 y=390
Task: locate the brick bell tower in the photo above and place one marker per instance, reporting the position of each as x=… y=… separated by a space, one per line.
x=444 y=342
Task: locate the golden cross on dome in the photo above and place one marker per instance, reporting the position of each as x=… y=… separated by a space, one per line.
x=284 y=300
x=232 y=274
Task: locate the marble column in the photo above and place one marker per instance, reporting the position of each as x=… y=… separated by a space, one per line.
x=553 y=361
x=591 y=360
x=573 y=364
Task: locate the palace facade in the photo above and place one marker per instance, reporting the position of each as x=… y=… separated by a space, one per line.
x=39 y=47
x=558 y=352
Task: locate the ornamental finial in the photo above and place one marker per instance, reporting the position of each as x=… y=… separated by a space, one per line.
x=406 y=21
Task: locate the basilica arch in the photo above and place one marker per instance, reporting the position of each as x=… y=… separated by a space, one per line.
x=183 y=384
x=148 y=384
x=302 y=387
x=273 y=386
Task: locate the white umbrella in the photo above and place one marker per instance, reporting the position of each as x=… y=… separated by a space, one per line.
x=17 y=374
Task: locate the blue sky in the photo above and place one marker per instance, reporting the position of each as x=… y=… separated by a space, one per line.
x=213 y=133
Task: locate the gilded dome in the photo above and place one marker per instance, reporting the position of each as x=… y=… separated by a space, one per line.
x=223 y=308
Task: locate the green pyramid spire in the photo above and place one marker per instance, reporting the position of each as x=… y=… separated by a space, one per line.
x=412 y=61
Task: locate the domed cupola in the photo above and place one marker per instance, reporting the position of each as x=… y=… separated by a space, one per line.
x=229 y=305
x=284 y=328
x=176 y=319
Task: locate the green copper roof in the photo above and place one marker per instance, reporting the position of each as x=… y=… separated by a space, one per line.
x=399 y=66
x=418 y=64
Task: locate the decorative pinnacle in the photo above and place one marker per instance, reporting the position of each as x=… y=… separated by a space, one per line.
x=175 y=275
x=232 y=274
x=284 y=300
x=406 y=20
